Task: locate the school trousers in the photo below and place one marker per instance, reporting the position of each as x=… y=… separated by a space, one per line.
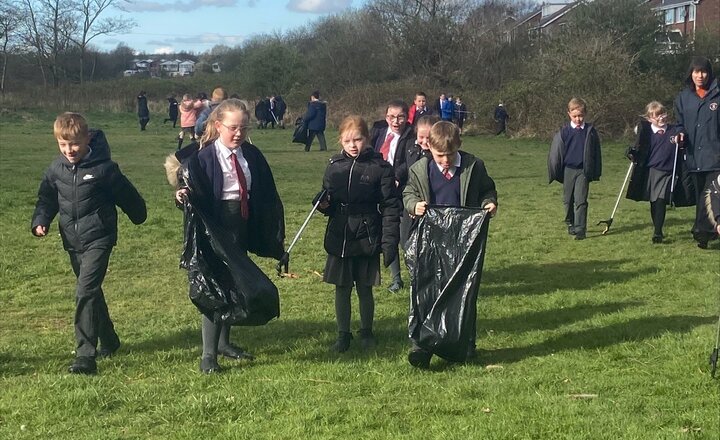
x=575 y=194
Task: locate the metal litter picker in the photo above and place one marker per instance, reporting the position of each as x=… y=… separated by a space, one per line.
x=284 y=262
x=609 y=221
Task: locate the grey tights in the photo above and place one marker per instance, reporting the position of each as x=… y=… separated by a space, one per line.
x=342 y=307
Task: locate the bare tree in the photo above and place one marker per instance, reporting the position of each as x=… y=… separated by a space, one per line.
x=91 y=25
x=10 y=21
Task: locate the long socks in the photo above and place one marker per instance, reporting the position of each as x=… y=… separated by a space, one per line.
x=657 y=213
x=210 y=337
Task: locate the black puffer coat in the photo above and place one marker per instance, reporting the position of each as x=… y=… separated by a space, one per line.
x=85 y=195
x=365 y=206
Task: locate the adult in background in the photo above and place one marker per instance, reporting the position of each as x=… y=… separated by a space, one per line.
x=143 y=111
x=172 y=110
x=392 y=137
x=315 y=120
x=501 y=117
x=696 y=110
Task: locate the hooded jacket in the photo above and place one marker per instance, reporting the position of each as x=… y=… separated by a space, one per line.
x=85 y=195
x=364 y=208
x=700 y=120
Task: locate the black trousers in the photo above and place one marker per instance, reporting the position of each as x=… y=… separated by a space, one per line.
x=143 y=123
x=575 y=194
x=321 y=138
x=92 y=319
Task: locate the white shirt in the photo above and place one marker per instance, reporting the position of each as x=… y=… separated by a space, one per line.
x=655 y=128
x=231 y=185
x=393 y=145
x=453 y=168
x=574 y=125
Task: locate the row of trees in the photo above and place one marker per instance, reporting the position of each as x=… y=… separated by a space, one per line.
x=605 y=52
x=50 y=32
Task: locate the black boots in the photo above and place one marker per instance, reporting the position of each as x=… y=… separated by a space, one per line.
x=343 y=342
x=367 y=339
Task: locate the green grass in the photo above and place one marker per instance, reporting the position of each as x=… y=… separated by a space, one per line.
x=613 y=316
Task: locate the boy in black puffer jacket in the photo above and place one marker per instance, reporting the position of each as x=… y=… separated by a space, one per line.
x=84 y=185
x=363 y=205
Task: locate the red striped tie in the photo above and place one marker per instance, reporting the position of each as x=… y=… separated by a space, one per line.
x=385 y=149
x=244 y=208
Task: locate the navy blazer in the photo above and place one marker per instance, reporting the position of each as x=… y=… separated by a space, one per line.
x=407 y=139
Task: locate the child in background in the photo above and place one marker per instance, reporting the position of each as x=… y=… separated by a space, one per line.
x=654 y=154
x=189 y=109
x=451 y=178
x=575 y=161
x=83 y=185
x=172 y=110
x=363 y=206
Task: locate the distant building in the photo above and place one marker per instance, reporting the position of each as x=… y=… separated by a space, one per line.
x=543 y=20
x=687 y=17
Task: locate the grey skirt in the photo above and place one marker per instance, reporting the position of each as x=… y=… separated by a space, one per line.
x=360 y=270
x=658 y=185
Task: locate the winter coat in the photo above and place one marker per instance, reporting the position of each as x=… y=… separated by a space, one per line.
x=202 y=117
x=364 y=208
x=85 y=195
x=447 y=109
x=477 y=188
x=315 y=115
x=700 y=120
x=173 y=109
x=592 y=159
x=280 y=107
x=500 y=114
x=378 y=133
x=188 y=113
x=684 y=192
x=266 y=223
x=143 y=111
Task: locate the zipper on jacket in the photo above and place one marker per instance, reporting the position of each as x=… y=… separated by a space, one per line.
x=367 y=228
x=348 y=193
x=75 y=199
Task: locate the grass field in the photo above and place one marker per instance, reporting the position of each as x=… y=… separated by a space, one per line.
x=607 y=338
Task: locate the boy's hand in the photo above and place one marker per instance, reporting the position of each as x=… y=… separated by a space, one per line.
x=420 y=208
x=491 y=209
x=181 y=194
x=717 y=229
x=40 y=231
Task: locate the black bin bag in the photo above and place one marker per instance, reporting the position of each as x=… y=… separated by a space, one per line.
x=300 y=135
x=225 y=284
x=445 y=257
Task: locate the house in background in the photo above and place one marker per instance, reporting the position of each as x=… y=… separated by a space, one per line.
x=543 y=20
x=687 y=17
x=177 y=67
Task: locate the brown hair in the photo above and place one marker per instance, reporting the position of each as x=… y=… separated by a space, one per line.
x=577 y=104
x=71 y=127
x=355 y=123
x=218 y=114
x=426 y=120
x=444 y=137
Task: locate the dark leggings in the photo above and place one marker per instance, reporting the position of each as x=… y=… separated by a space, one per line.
x=343 y=308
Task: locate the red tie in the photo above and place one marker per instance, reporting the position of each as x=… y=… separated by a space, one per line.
x=244 y=209
x=446 y=173
x=385 y=149
x=578 y=128
x=661 y=132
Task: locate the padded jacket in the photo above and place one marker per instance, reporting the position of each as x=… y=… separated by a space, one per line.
x=700 y=120
x=592 y=158
x=85 y=196
x=364 y=207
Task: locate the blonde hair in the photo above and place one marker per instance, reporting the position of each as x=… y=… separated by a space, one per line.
x=577 y=104
x=425 y=121
x=654 y=108
x=444 y=137
x=218 y=114
x=353 y=123
x=71 y=127
x=219 y=94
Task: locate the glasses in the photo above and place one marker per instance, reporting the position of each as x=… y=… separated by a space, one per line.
x=398 y=118
x=235 y=129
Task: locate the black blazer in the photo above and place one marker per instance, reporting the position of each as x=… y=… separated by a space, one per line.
x=407 y=140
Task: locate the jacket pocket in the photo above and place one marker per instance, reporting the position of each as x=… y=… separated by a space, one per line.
x=91 y=228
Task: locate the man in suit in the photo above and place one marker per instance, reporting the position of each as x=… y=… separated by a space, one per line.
x=392 y=137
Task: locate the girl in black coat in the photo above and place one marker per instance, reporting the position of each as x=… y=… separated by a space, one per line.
x=363 y=206
x=143 y=111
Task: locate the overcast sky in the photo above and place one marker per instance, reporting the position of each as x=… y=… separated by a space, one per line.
x=165 y=26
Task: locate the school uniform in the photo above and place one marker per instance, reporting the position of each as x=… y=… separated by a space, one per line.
x=575 y=161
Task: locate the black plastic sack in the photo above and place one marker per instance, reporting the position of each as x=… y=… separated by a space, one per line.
x=445 y=257
x=300 y=135
x=225 y=284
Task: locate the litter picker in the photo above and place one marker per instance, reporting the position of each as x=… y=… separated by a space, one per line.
x=714 y=355
x=609 y=221
x=285 y=259
x=672 y=182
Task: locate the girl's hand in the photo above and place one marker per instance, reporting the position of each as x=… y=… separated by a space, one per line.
x=420 y=208
x=40 y=231
x=181 y=194
x=491 y=208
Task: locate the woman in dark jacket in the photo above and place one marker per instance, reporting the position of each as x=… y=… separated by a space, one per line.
x=363 y=206
x=697 y=113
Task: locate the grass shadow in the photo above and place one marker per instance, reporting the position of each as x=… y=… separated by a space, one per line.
x=539 y=279
x=631 y=331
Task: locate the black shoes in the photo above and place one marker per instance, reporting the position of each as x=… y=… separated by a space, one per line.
x=657 y=238
x=107 y=350
x=367 y=339
x=396 y=286
x=83 y=365
x=579 y=236
x=209 y=365
x=571 y=230
x=419 y=358
x=234 y=352
x=343 y=342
